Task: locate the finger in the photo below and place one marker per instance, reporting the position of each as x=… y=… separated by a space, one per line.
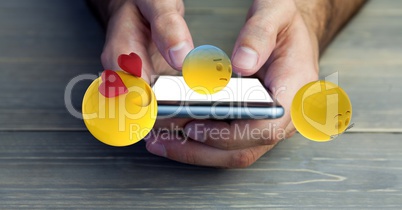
x=294 y=64
x=257 y=38
x=237 y=134
x=127 y=33
x=171 y=124
x=195 y=153
x=169 y=30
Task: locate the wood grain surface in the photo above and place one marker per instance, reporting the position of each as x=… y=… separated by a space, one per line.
x=48 y=160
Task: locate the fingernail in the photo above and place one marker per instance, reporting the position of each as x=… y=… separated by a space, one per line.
x=245 y=58
x=195 y=132
x=157 y=149
x=178 y=52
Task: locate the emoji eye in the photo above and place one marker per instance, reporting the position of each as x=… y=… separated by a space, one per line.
x=219 y=67
x=230 y=68
x=347 y=122
x=338 y=125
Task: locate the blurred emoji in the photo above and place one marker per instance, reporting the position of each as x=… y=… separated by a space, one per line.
x=118 y=108
x=207 y=69
x=321 y=110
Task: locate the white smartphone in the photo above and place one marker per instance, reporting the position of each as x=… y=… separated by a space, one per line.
x=242 y=98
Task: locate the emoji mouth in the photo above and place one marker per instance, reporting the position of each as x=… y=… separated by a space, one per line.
x=223 y=79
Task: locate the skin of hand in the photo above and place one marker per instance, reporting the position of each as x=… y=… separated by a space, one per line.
x=279 y=44
x=155 y=30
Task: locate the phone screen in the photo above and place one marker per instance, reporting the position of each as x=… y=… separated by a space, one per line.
x=174 y=88
x=242 y=98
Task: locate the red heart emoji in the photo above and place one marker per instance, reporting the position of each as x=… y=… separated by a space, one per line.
x=112 y=84
x=130 y=63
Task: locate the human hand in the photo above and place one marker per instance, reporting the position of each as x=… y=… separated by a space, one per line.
x=155 y=30
x=276 y=46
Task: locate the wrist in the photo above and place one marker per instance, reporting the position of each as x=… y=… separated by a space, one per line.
x=314 y=14
x=319 y=16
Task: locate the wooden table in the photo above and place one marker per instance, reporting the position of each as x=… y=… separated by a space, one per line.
x=48 y=159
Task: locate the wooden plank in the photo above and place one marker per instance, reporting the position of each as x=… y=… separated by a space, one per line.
x=216 y=22
x=220 y=31
x=47 y=30
x=375 y=94
x=44 y=45
x=72 y=169
x=367 y=55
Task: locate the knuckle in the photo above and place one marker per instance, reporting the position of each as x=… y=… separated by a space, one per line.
x=180 y=7
x=242 y=159
x=163 y=21
x=259 y=32
x=105 y=57
x=262 y=26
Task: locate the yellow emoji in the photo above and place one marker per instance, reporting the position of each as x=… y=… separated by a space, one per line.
x=321 y=110
x=118 y=108
x=207 y=69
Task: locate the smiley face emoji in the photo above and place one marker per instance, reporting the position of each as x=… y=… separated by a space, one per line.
x=207 y=69
x=321 y=110
x=118 y=108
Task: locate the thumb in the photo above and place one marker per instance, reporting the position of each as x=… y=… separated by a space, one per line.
x=169 y=30
x=257 y=38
